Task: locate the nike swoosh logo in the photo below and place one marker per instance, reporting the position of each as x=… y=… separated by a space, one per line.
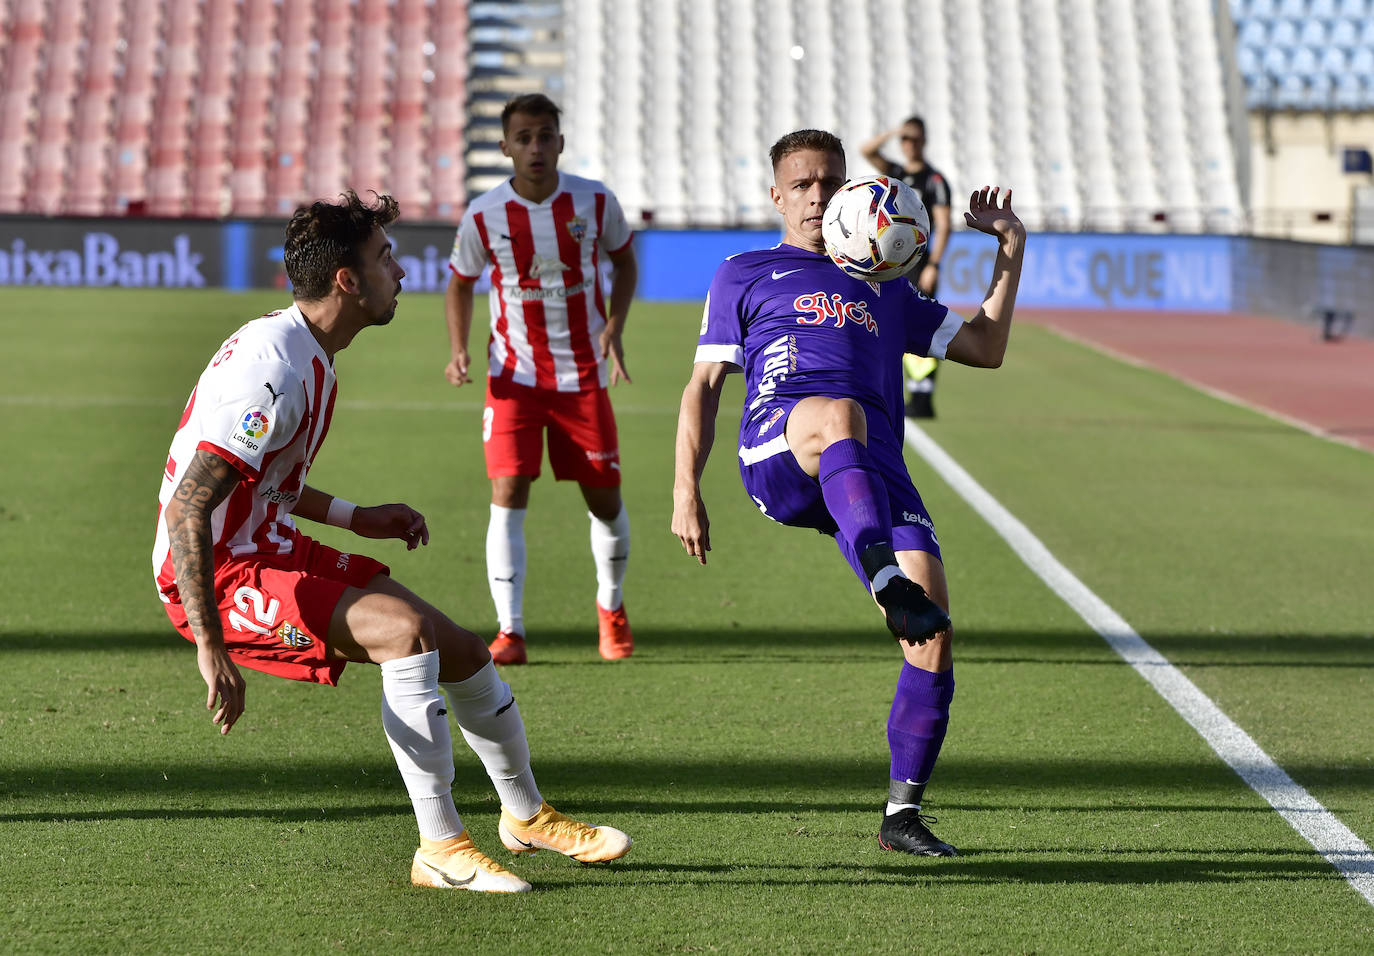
x=445 y=877
x=519 y=841
x=783 y=275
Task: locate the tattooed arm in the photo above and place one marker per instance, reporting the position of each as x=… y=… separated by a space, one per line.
x=208 y=481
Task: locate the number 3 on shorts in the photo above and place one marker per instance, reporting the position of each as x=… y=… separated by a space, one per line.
x=488 y=414
x=251 y=600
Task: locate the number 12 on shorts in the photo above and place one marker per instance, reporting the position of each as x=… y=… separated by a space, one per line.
x=251 y=601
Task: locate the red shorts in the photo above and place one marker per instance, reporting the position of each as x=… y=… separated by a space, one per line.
x=583 y=444
x=276 y=608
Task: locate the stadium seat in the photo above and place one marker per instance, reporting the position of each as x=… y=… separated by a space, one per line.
x=1322 y=9
x=248 y=142
x=1362 y=62
x=1345 y=34
x=407 y=168
x=1252 y=33
x=1304 y=62
x=1293 y=9
x=1313 y=33
x=1319 y=92
x=1274 y=62
x=1283 y=33
x=1334 y=62
x=285 y=173
x=85 y=189
x=1291 y=92
x=1348 y=93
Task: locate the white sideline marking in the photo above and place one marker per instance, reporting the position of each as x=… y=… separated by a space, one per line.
x=1350 y=855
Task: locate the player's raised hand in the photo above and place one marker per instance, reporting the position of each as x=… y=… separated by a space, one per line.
x=456 y=371
x=392 y=521
x=692 y=527
x=224 y=682
x=614 y=352
x=986 y=215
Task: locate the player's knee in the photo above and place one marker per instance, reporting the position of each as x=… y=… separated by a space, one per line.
x=844 y=418
x=409 y=632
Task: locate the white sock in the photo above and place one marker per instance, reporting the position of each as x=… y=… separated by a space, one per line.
x=611 y=551
x=506 y=566
x=894 y=807
x=490 y=721
x=416 y=725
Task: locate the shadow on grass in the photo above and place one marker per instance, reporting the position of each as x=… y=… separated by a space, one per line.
x=659 y=646
x=305 y=788
x=1074 y=867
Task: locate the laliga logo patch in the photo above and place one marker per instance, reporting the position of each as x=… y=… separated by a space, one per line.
x=256 y=425
x=252 y=428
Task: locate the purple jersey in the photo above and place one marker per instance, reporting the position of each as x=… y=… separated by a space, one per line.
x=798 y=326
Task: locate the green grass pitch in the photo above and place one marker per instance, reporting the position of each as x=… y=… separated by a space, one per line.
x=743 y=745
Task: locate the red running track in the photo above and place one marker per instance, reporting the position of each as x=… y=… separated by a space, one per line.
x=1277 y=366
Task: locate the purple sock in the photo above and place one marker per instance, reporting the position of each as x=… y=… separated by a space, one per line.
x=855 y=495
x=916 y=727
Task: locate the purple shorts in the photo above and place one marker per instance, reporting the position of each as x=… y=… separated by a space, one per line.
x=788 y=495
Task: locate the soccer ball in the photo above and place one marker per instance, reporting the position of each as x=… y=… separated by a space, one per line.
x=875 y=228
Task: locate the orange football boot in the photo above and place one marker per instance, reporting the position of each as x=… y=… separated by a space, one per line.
x=508 y=648
x=616 y=639
x=458 y=865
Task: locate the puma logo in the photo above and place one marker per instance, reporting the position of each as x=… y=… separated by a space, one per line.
x=275 y=394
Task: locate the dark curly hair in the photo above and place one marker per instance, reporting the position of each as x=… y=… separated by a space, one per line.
x=324 y=237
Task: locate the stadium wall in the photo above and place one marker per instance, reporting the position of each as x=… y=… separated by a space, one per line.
x=1063 y=270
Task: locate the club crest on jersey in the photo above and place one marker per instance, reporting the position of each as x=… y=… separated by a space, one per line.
x=293 y=636
x=818 y=307
x=772 y=420
x=577 y=228
x=252 y=429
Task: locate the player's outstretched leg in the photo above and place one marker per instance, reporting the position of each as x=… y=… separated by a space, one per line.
x=550 y=830
x=489 y=718
x=911 y=615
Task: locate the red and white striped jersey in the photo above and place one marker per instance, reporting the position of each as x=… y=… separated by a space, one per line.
x=547 y=305
x=263 y=404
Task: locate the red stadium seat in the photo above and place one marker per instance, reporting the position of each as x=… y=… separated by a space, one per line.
x=87 y=186
x=56 y=99
x=448 y=115
x=253 y=91
x=20 y=84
